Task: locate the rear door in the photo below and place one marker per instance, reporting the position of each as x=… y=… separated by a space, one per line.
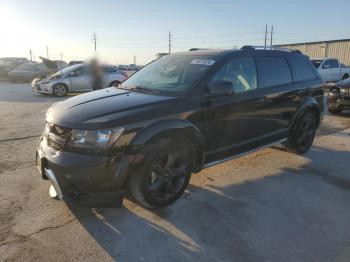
x=280 y=93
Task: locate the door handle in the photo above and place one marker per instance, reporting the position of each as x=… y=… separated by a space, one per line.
x=260 y=101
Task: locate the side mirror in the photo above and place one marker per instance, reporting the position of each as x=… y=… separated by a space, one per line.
x=221 y=88
x=73 y=74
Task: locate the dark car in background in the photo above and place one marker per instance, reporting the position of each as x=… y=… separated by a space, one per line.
x=338 y=98
x=74 y=62
x=177 y=115
x=29 y=71
x=9 y=63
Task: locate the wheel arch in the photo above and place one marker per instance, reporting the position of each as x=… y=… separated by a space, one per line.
x=61 y=83
x=309 y=105
x=180 y=130
x=112 y=82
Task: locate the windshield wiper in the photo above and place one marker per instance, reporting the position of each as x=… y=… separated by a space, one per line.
x=143 y=89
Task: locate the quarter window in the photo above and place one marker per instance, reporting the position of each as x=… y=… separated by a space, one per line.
x=273 y=71
x=302 y=68
x=241 y=72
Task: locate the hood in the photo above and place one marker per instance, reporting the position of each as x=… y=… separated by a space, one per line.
x=49 y=63
x=343 y=83
x=105 y=108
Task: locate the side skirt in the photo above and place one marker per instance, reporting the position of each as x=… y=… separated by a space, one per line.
x=210 y=164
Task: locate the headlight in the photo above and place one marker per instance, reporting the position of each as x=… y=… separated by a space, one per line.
x=99 y=139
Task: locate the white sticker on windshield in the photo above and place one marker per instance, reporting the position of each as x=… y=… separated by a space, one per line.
x=207 y=62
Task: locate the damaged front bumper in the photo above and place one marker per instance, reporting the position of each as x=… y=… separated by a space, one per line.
x=84 y=180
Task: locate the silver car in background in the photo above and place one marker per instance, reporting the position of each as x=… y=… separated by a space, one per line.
x=77 y=78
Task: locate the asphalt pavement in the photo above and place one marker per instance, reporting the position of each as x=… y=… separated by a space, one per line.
x=271 y=205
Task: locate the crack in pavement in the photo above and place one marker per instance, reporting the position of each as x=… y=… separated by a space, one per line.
x=26 y=237
x=18 y=138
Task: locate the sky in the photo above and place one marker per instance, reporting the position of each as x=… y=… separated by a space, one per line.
x=140 y=28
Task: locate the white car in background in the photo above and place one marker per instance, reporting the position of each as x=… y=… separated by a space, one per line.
x=76 y=78
x=331 y=70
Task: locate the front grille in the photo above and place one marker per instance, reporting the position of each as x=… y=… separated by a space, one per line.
x=345 y=92
x=57 y=136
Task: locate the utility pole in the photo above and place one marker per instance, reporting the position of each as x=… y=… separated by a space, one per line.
x=271 y=36
x=61 y=56
x=30 y=54
x=95 y=41
x=134 y=59
x=169 y=42
x=47 y=52
x=265 y=35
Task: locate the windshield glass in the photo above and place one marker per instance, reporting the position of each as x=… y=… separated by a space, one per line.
x=317 y=62
x=171 y=74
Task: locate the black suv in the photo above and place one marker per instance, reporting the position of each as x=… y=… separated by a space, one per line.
x=178 y=115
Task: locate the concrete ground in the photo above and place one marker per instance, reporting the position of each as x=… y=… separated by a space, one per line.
x=268 y=206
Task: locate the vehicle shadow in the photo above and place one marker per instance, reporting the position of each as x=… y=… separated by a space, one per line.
x=297 y=213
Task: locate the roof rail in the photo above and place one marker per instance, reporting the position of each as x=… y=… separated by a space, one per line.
x=196 y=49
x=250 y=47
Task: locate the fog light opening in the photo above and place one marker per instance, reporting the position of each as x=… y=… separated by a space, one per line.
x=52 y=192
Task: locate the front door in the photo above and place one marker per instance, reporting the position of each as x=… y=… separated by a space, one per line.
x=80 y=80
x=238 y=122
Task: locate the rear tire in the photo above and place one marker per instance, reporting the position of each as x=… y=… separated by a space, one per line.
x=302 y=133
x=163 y=175
x=346 y=76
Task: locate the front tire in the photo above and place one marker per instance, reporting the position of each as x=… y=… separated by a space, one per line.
x=60 y=90
x=302 y=133
x=163 y=175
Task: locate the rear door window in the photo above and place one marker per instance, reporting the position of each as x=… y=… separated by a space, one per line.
x=302 y=68
x=273 y=71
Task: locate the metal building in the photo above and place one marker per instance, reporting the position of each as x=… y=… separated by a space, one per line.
x=331 y=49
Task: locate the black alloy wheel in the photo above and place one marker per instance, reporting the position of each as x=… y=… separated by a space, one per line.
x=163 y=175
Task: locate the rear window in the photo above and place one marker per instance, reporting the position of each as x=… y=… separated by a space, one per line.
x=302 y=68
x=273 y=71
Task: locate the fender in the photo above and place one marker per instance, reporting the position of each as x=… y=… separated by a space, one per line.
x=178 y=128
x=310 y=103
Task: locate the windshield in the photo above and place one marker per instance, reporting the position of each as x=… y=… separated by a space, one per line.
x=317 y=62
x=171 y=74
